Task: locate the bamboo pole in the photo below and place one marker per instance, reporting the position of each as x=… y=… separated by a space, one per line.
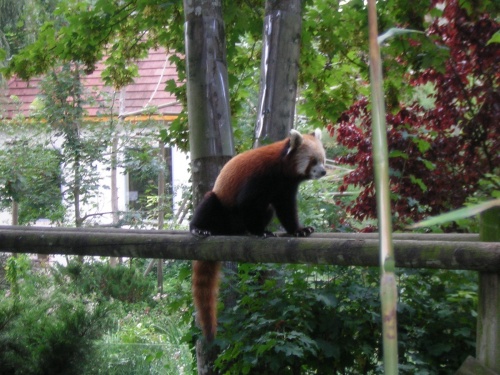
x=388 y=287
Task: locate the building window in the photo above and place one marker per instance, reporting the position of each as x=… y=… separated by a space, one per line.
x=144 y=168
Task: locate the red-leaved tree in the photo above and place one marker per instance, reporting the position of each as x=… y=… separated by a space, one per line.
x=438 y=153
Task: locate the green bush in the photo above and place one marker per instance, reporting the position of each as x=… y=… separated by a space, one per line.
x=91 y=319
x=145 y=343
x=44 y=328
x=311 y=319
x=123 y=283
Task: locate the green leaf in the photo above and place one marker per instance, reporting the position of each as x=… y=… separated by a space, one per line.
x=398 y=154
x=328 y=299
x=329 y=350
x=457 y=214
x=289 y=349
x=429 y=165
x=395 y=31
x=419 y=182
x=495 y=38
x=422 y=144
x=439 y=348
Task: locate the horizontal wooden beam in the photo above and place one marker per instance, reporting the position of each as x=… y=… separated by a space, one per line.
x=422 y=251
x=472 y=366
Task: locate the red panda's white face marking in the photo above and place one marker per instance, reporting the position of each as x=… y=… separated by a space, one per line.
x=309 y=154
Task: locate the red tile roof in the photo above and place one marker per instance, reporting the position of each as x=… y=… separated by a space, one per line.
x=147 y=90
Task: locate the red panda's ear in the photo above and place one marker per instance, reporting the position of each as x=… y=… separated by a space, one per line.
x=317 y=134
x=295 y=140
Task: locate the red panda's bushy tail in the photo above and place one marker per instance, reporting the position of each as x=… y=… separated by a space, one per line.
x=205 y=290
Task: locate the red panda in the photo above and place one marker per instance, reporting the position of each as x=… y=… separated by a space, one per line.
x=250 y=188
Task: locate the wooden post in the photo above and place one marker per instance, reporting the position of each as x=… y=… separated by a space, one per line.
x=488 y=325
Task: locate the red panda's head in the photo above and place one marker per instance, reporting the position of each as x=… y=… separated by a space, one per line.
x=307 y=154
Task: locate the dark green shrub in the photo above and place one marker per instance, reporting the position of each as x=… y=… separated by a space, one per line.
x=44 y=328
x=326 y=320
x=123 y=283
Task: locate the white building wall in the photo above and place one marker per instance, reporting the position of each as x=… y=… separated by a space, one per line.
x=102 y=202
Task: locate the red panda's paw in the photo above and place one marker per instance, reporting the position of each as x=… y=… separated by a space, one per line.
x=304 y=232
x=268 y=234
x=200 y=232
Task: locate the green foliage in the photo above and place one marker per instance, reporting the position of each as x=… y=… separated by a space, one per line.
x=15 y=269
x=148 y=342
x=495 y=38
x=62 y=99
x=73 y=321
x=122 y=283
x=21 y=20
x=437 y=320
x=458 y=214
x=44 y=328
x=334 y=58
x=317 y=208
x=303 y=319
x=30 y=175
x=146 y=336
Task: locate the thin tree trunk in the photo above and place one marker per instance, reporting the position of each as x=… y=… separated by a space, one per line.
x=161 y=208
x=279 y=70
x=15 y=213
x=113 y=261
x=76 y=190
x=15 y=216
x=77 y=186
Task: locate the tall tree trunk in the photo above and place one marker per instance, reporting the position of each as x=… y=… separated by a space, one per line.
x=77 y=188
x=278 y=76
x=15 y=213
x=279 y=70
x=113 y=261
x=114 y=180
x=15 y=216
x=210 y=132
x=161 y=208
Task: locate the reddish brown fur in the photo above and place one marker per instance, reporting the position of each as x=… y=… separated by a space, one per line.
x=205 y=291
x=228 y=184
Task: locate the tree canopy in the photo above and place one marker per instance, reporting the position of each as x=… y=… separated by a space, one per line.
x=437 y=81
x=444 y=132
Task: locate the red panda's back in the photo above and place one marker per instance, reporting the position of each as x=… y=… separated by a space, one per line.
x=243 y=167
